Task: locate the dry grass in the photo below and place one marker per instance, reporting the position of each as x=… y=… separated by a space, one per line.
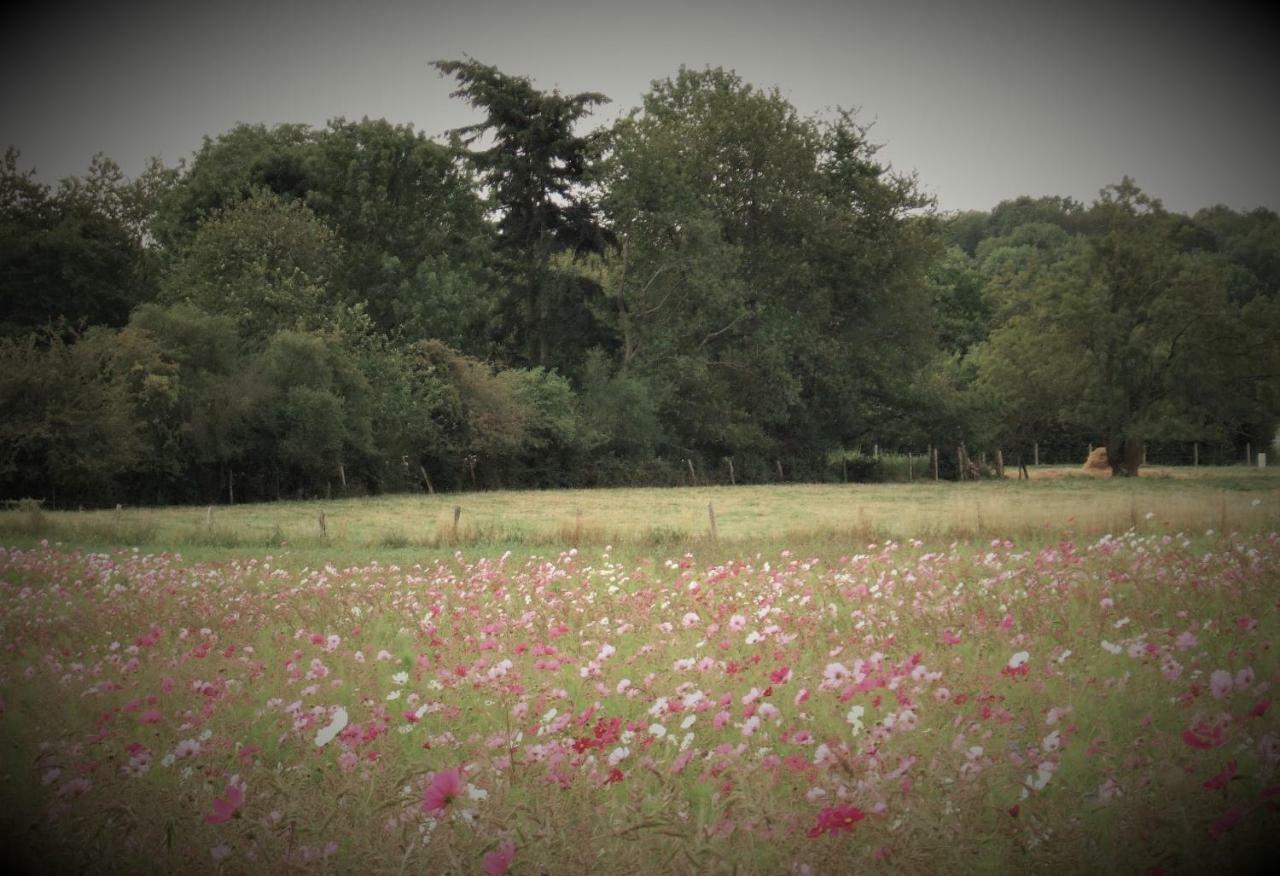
x=1057 y=501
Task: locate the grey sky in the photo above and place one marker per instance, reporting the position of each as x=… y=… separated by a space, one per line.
x=985 y=99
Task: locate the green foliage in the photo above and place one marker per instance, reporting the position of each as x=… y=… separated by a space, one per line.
x=71 y=255
x=761 y=249
x=265 y=262
x=416 y=246
x=713 y=277
x=619 y=412
x=69 y=424
x=309 y=412
x=1128 y=334
x=535 y=170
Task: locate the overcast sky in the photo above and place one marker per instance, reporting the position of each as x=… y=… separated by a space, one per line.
x=984 y=99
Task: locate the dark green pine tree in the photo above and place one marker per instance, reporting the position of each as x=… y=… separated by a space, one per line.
x=536 y=169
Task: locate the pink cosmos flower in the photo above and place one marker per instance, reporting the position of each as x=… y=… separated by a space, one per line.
x=837 y=819
x=1218 y=782
x=224 y=808
x=1203 y=737
x=1220 y=684
x=495 y=863
x=445 y=785
x=1226 y=822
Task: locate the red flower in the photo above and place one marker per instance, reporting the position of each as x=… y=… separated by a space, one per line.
x=837 y=819
x=445 y=785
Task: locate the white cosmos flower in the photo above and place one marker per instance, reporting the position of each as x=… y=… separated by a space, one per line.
x=335 y=726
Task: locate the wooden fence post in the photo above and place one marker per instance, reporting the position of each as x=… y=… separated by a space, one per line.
x=1000 y=464
x=457 y=512
x=427 y=478
x=693 y=477
x=733 y=481
x=911 y=468
x=711 y=513
x=1195 y=454
x=1035 y=453
x=324 y=533
x=781 y=476
x=933 y=451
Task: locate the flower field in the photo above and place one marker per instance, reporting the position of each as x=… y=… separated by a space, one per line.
x=1085 y=706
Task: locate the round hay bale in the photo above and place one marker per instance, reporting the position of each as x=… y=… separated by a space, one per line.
x=1098 y=461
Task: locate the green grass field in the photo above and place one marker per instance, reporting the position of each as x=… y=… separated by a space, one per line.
x=825 y=518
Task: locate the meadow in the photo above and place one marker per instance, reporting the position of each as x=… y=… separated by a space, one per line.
x=639 y=522
x=1065 y=675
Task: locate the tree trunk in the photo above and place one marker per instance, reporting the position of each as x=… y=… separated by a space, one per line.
x=1124 y=455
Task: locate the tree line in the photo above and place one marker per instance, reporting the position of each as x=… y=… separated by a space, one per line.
x=714 y=279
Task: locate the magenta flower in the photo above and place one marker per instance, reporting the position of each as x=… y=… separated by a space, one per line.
x=1218 y=782
x=1226 y=822
x=224 y=808
x=837 y=819
x=445 y=785
x=495 y=863
x=1203 y=737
